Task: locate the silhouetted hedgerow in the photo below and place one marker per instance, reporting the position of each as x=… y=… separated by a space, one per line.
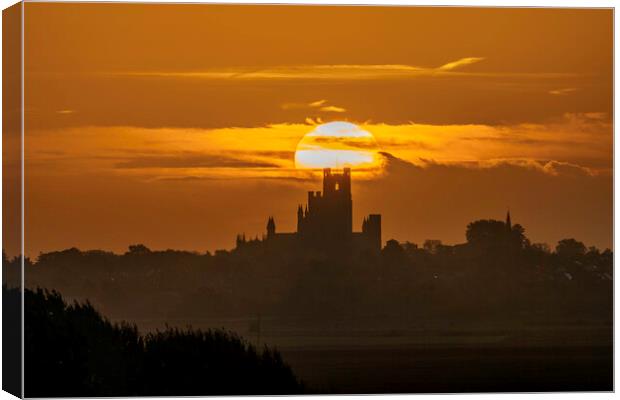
x=186 y=362
x=71 y=350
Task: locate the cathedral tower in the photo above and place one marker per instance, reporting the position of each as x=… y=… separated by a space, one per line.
x=326 y=222
x=329 y=214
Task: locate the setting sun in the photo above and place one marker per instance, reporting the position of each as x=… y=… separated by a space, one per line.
x=337 y=145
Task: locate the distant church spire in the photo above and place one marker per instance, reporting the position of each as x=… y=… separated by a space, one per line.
x=508 y=223
x=271 y=227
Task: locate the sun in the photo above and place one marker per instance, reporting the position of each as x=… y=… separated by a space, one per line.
x=338 y=145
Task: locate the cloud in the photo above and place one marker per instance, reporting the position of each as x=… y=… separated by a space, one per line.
x=333 y=109
x=576 y=143
x=362 y=143
x=562 y=92
x=339 y=72
x=459 y=63
x=565 y=168
x=300 y=106
x=295 y=178
x=191 y=161
x=481 y=93
x=391 y=162
x=318 y=105
x=313 y=122
x=294 y=72
x=343 y=73
x=549 y=167
x=582 y=139
x=593 y=115
x=281 y=154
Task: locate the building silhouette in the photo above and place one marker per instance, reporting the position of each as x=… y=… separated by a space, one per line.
x=326 y=222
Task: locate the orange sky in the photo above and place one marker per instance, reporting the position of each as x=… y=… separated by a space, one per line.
x=176 y=125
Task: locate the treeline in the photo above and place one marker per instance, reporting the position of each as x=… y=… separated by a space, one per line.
x=72 y=351
x=497 y=271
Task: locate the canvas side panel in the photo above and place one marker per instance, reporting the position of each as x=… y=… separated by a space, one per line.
x=12 y=199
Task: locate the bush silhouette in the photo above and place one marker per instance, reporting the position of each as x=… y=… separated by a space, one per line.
x=71 y=350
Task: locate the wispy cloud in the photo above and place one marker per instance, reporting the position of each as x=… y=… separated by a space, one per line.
x=192 y=161
x=333 y=109
x=312 y=122
x=294 y=72
x=343 y=142
x=343 y=72
x=549 y=167
x=459 y=63
x=563 y=91
x=318 y=105
x=202 y=160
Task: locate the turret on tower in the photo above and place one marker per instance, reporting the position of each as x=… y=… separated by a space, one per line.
x=300 y=218
x=271 y=227
x=371 y=229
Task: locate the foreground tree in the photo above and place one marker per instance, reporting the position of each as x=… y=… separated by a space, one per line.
x=72 y=351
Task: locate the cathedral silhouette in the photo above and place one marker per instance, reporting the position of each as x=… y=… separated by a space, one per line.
x=326 y=222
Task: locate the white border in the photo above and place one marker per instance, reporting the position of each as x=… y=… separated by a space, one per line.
x=471 y=3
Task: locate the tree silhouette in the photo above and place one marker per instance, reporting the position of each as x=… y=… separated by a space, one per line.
x=72 y=351
x=138 y=249
x=570 y=249
x=486 y=234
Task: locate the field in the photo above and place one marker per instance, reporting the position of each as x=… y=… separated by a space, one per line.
x=438 y=356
